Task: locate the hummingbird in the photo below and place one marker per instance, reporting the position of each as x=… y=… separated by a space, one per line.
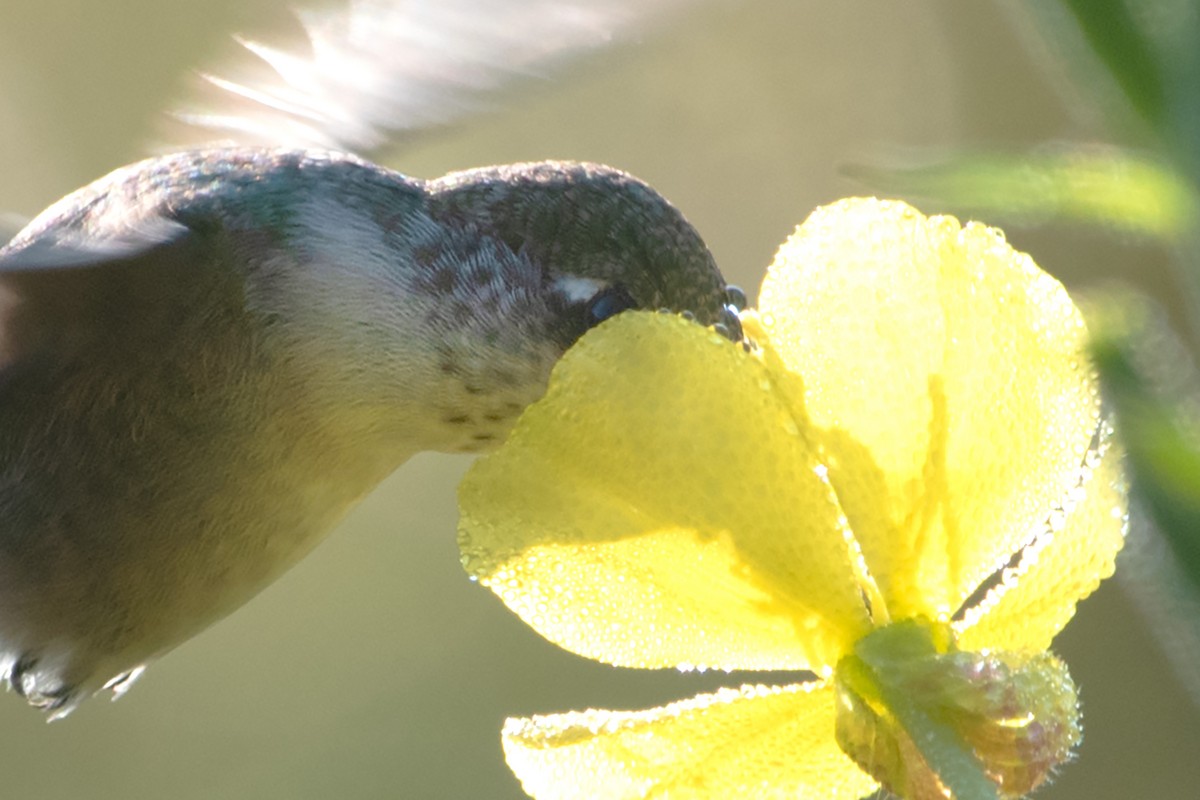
x=208 y=357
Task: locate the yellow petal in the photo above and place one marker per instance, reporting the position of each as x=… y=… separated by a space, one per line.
x=757 y=741
x=660 y=507
x=947 y=372
x=1037 y=598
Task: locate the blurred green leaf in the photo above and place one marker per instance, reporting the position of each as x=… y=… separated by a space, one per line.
x=1164 y=464
x=1151 y=53
x=1130 y=56
x=1094 y=185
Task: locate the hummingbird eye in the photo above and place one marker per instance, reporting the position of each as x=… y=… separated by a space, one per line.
x=608 y=302
x=581 y=304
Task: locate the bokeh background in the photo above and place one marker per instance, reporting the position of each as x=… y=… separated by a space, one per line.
x=375 y=669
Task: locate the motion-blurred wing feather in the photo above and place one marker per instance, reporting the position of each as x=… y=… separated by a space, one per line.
x=379 y=70
x=51 y=253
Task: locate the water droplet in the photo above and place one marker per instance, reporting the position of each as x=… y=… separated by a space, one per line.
x=736 y=297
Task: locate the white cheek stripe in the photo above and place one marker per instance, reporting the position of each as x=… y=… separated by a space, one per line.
x=577 y=289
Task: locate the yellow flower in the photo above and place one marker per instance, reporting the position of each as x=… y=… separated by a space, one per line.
x=905 y=487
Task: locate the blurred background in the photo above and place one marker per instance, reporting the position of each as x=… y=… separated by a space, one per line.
x=375 y=669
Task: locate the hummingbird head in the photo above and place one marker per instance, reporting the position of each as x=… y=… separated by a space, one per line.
x=608 y=240
x=577 y=244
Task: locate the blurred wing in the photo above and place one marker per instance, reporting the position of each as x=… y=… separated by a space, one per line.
x=379 y=70
x=10 y=224
x=51 y=253
x=64 y=299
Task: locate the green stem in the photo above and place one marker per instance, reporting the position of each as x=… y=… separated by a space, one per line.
x=946 y=754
